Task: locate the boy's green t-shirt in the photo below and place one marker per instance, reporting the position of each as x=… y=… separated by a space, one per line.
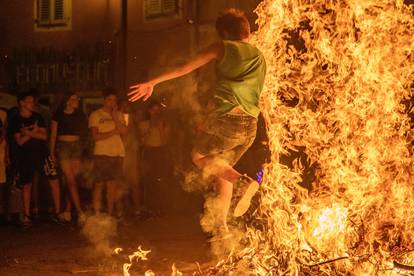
x=240 y=78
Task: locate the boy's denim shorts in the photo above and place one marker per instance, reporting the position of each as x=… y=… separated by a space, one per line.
x=226 y=136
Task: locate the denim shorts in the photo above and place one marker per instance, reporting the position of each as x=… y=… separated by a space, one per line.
x=227 y=136
x=107 y=168
x=68 y=150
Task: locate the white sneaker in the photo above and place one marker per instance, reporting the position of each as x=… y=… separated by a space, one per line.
x=248 y=187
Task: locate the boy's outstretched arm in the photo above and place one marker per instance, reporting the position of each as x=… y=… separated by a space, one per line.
x=144 y=90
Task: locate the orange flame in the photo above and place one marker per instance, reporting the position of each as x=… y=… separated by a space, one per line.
x=139 y=255
x=340 y=75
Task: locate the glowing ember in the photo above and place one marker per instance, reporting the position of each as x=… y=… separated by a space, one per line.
x=331 y=222
x=339 y=73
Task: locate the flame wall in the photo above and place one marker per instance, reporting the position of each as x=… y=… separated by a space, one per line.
x=340 y=74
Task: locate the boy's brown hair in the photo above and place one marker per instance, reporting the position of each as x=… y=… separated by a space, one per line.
x=233 y=25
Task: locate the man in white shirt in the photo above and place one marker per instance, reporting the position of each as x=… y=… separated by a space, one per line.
x=107 y=125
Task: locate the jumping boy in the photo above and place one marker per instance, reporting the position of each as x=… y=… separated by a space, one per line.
x=231 y=126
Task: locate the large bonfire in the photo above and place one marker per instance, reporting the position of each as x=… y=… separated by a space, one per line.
x=339 y=83
x=339 y=90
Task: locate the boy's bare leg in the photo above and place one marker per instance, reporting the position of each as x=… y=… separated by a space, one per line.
x=70 y=175
x=111 y=196
x=97 y=197
x=215 y=166
x=226 y=176
x=55 y=188
x=35 y=194
x=220 y=168
x=26 y=196
x=68 y=206
x=224 y=194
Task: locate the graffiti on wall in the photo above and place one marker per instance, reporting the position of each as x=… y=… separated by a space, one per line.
x=82 y=68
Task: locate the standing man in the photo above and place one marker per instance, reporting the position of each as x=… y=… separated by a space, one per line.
x=230 y=128
x=107 y=125
x=28 y=130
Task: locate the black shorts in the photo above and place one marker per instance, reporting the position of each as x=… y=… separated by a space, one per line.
x=30 y=163
x=227 y=137
x=107 y=168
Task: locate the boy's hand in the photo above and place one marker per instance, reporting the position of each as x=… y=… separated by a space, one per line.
x=142 y=90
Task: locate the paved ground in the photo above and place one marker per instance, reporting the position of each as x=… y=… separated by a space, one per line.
x=48 y=249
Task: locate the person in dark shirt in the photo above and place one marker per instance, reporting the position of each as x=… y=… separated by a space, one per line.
x=28 y=130
x=67 y=127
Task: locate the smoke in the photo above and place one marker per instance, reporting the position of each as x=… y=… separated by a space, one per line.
x=224 y=239
x=178 y=94
x=183 y=112
x=100 y=230
x=222 y=242
x=210 y=220
x=193 y=181
x=186 y=99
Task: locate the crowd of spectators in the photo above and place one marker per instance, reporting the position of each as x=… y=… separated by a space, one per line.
x=74 y=149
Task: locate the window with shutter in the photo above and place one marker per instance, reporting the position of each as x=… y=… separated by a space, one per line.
x=160 y=8
x=43 y=12
x=169 y=6
x=153 y=8
x=53 y=14
x=59 y=10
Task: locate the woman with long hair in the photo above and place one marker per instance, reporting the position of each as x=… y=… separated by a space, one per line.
x=67 y=127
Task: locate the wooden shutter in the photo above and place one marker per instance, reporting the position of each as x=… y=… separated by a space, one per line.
x=43 y=12
x=53 y=13
x=59 y=12
x=169 y=6
x=153 y=8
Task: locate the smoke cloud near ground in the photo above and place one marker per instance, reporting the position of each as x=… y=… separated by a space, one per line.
x=100 y=230
x=211 y=221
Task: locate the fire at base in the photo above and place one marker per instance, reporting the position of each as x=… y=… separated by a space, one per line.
x=339 y=85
